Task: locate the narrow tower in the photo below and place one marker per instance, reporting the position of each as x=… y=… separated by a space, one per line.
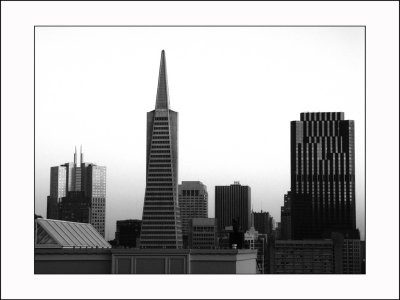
x=161 y=225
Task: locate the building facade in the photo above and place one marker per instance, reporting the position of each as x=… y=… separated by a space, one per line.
x=202 y=233
x=233 y=202
x=336 y=255
x=193 y=203
x=128 y=233
x=78 y=193
x=322 y=176
x=303 y=257
x=161 y=222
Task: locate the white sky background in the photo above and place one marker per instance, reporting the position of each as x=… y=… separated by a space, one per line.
x=235 y=89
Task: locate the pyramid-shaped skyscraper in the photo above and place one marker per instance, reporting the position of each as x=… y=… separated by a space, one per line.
x=161 y=226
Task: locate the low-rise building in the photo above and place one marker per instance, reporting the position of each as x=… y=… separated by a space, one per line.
x=128 y=233
x=202 y=233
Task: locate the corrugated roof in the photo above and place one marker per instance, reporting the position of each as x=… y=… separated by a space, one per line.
x=64 y=234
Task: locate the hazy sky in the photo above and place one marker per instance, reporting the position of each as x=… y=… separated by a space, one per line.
x=235 y=89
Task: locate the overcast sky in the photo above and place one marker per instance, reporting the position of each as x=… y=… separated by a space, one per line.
x=235 y=89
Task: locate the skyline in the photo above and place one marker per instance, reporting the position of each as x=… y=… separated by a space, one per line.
x=266 y=194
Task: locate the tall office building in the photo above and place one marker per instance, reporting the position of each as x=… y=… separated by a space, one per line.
x=322 y=176
x=78 y=193
x=233 y=202
x=262 y=222
x=193 y=203
x=161 y=224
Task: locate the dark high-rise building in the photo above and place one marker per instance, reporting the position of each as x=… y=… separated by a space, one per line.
x=128 y=233
x=262 y=222
x=286 y=218
x=78 y=193
x=193 y=203
x=233 y=202
x=161 y=224
x=322 y=176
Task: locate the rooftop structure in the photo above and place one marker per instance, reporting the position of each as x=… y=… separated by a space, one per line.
x=64 y=234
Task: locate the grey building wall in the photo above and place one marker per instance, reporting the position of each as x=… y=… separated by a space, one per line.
x=144 y=261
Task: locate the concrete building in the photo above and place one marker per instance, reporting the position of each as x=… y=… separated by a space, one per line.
x=303 y=257
x=78 y=193
x=233 y=202
x=161 y=222
x=322 y=176
x=202 y=233
x=193 y=203
x=128 y=233
x=336 y=255
x=144 y=261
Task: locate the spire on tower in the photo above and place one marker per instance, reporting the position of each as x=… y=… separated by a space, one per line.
x=75 y=156
x=81 y=155
x=162 y=101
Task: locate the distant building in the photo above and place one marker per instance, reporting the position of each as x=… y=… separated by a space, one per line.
x=286 y=218
x=233 y=202
x=193 y=203
x=161 y=222
x=262 y=222
x=75 y=207
x=128 y=233
x=277 y=232
x=202 y=233
x=322 y=176
x=254 y=240
x=78 y=193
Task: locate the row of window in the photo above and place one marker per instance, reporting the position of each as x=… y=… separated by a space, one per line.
x=160 y=151
x=160 y=142
x=161 y=128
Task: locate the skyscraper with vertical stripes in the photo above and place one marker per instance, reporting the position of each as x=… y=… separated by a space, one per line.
x=322 y=176
x=161 y=224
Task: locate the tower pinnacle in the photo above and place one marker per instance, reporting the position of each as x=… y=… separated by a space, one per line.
x=162 y=101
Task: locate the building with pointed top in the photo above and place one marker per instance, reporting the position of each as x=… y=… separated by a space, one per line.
x=78 y=193
x=161 y=223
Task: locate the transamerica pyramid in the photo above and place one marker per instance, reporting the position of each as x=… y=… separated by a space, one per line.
x=161 y=223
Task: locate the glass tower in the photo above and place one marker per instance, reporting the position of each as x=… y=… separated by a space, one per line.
x=161 y=223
